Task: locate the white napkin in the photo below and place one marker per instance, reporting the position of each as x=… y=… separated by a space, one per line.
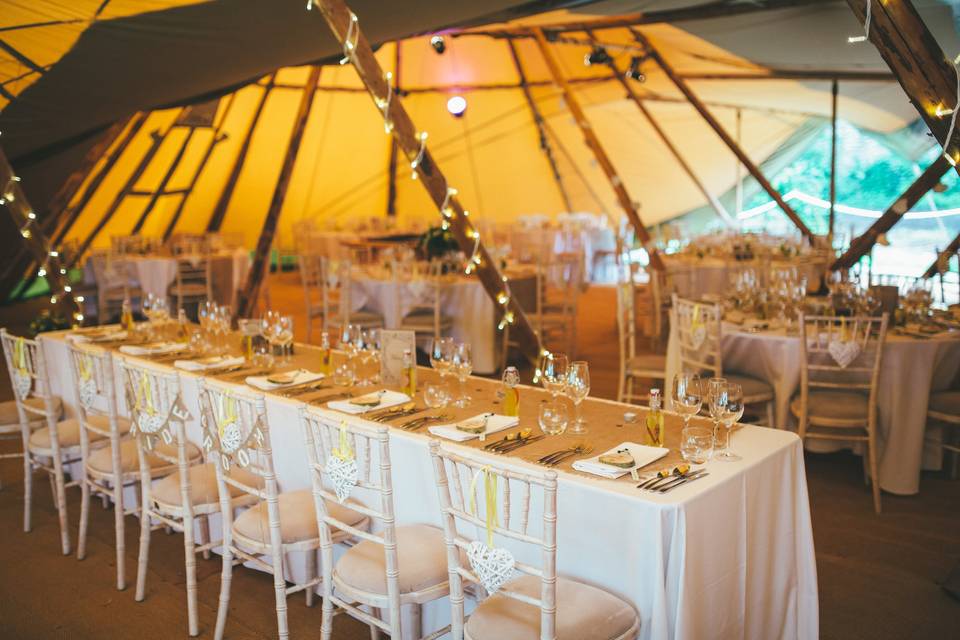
x=642 y=456
x=208 y=363
x=495 y=422
x=302 y=376
x=152 y=349
x=387 y=399
x=105 y=336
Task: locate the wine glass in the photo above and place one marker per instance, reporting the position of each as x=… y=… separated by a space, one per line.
x=554 y=373
x=686 y=395
x=368 y=346
x=716 y=399
x=441 y=355
x=462 y=364
x=553 y=417
x=284 y=330
x=731 y=413
x=577 y=389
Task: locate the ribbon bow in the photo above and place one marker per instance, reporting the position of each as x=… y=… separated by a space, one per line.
x=228 y=413
x=490 y=496
x=20 y=356
x=147 y=394
x=344 y=451
x=84 y=367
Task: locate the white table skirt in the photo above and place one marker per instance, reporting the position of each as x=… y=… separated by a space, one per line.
x=464 y=300
x=910 y=370
x=730 y=556
x=695 y=278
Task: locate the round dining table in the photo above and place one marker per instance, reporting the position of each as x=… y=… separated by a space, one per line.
x=693 y=277
x=911 y=368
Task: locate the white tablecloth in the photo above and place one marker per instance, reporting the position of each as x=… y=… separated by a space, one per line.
x=693 y=277
x=910 y=370
x=730 y=556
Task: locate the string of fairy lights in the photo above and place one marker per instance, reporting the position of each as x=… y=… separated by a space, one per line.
x=940 y=110
x=12 y=197
x=447 y=209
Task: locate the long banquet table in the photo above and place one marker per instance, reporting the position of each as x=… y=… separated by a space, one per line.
x=728 y=556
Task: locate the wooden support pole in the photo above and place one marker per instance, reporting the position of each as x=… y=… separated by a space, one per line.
x=394 y=147
x=635 y=98
x=162 y=187
x=927 y=76
x=220 y=211
x=14 y=200
x=724 y=136
x=834 y=89
x=860 y=246
x=598 y=151
x=247 y=297
x=951 y=249
x=345 y=27
x=541 y=124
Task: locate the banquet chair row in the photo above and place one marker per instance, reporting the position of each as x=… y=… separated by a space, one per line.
x=385 y=567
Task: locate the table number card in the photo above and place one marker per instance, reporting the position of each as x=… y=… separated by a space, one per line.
x=393 y=344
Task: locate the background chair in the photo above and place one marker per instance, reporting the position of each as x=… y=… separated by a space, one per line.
x=837 y=402
x=944 y=408
x=633 y=366
x=425 y=318
x=538 y=603
x=396 y=567
x=193 y=282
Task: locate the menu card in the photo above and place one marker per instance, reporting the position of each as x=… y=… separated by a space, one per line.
x=392 y=346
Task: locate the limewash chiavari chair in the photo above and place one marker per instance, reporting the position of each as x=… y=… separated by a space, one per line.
x=194 y=280
x=559 y=281
x=538 y=603
x=237 y=435
x=426 y=318
x=633 y=366
x=315 y=292
x=703 y=353
x=58 y=441
x=100 y=421
x=337 y=304
x=158 y=415
x=397 y=567
x=944 y=409
x=10 y=422
x=837 y=402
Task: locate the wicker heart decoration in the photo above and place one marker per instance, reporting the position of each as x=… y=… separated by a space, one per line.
x=88 y=392
x=843 y=352
x=22 y=382
x=343 y=473
x=493 y=566
x=231 y=438
x=698 y=335
x=150 y=422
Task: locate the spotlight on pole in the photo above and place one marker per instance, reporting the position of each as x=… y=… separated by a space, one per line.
x=597 y=55
x=439 y=44
x=634 y=72
x=457 y=106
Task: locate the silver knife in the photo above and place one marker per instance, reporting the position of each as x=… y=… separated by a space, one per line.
x=683 y=481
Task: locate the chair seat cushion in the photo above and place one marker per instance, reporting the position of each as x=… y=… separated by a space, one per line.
x=68 y=432
x=9 y=414
x=298 y=518
x=835 y=405
x=647 y=362
x=423 y=319
x=361 y=317
x=583 y=613
x=101 y=459
x=203 y=486
x=189 y=289
x=421 y=555
x=752 y=387
x=945 y=402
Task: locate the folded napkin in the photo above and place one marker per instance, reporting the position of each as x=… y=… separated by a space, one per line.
x=105 y=335
x=216 y=362
x=300 y=376
x=757 y=324
x=152 y=348
x=495 y=422
x=642 y=456
x=385 y=398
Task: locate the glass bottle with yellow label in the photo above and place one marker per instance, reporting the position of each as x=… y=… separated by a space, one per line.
x=183 y=329
x=511 y=395
x=654 y=420
x=409 y=374
x=326 y=355
x=126 y=315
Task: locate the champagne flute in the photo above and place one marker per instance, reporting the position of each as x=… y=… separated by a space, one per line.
x=554 y=374
x=732 y=412
x=462 y=363
x=577 y=389
x=686 y=395
x=716 y=399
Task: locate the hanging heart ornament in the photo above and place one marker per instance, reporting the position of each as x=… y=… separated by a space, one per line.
x=343 y=473
x=844 y=352
x=231 y=438
x=493 y=566
x=22 y=383
x=150 y=422
x=698 y=335
x=88 y=392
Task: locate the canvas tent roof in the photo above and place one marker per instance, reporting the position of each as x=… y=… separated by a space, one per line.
x=141 y=55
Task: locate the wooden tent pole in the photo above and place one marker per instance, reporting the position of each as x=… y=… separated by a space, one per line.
x=220 y=211
x=162 y=187
x=216 y=139
x=834 y=89
x=861 y=245
x=540 y=122
x=951 y=249
x=394 y=148
x=344 y=24
x=635 y=98
x=247 y=297
x=15 y=202
x=724 y=136
x=20 y=265
x=590 y=137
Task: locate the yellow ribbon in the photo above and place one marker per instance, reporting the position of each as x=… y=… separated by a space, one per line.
x=843 y=329
x=20 y=355
x=84 y=367
x=228 y=413
x=490 y=496
x=344 y=452
x=146 y=394
x=695 y=323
